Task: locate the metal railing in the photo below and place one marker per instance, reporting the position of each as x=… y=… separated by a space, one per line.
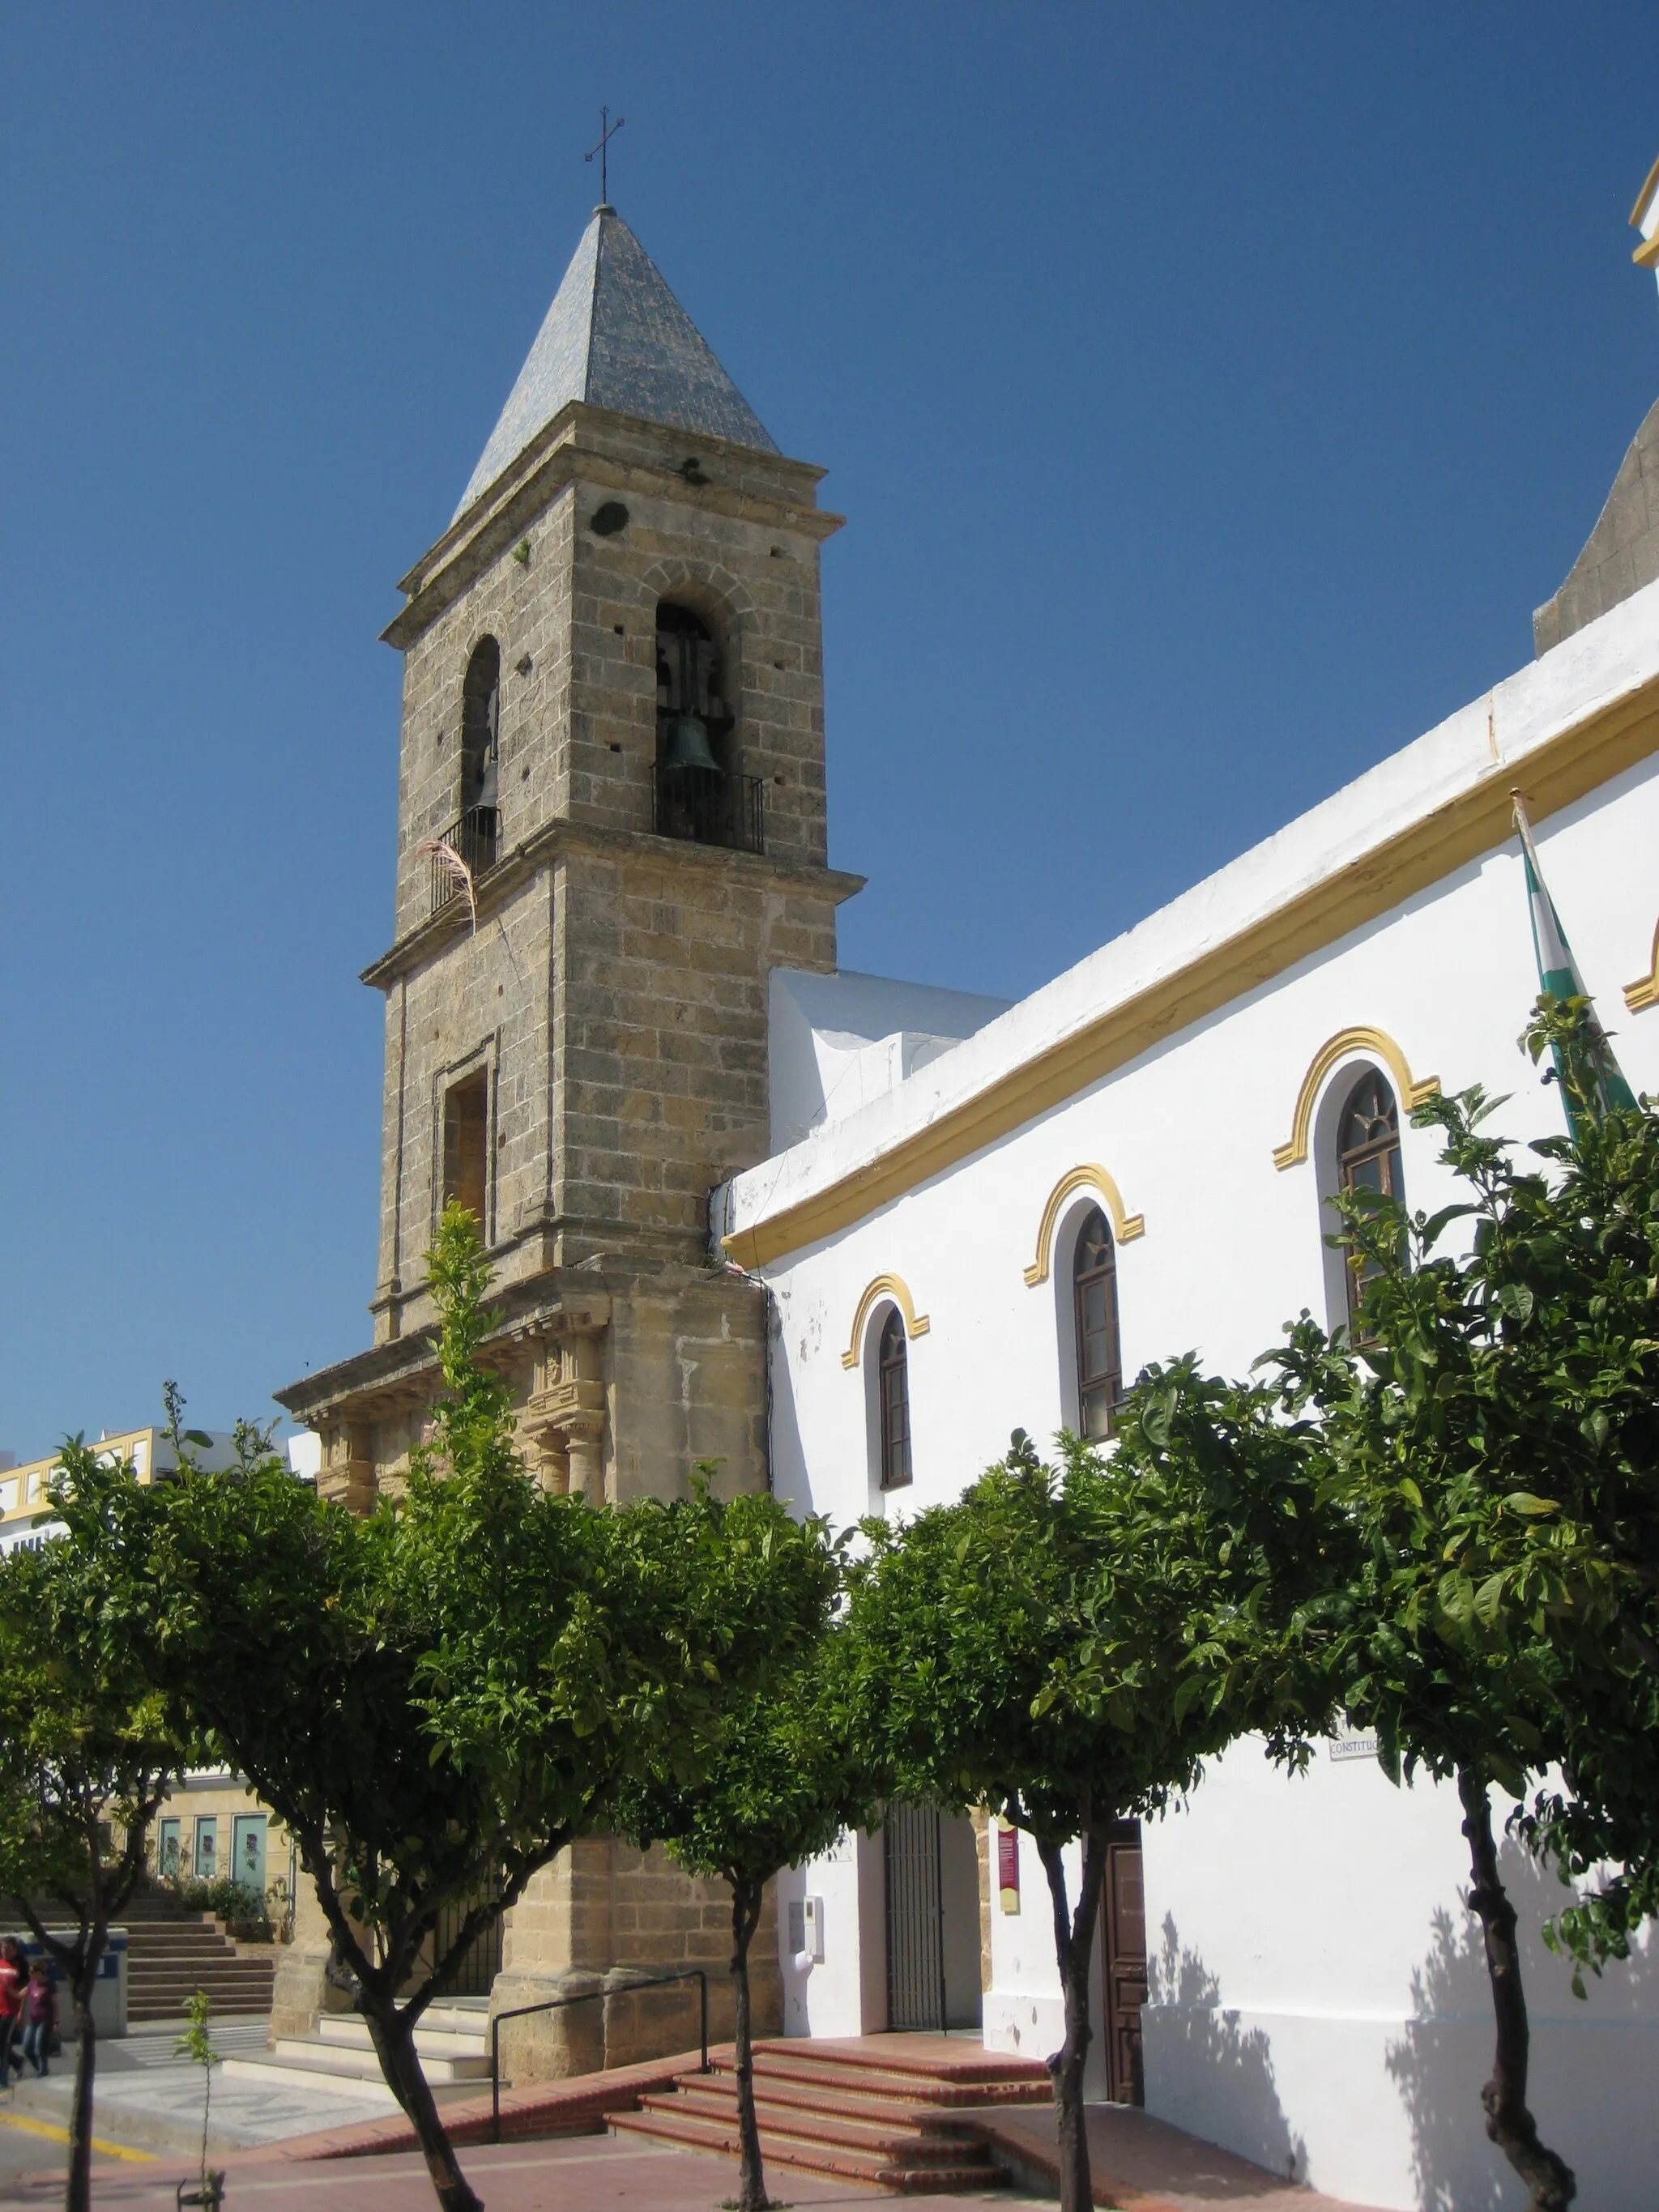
x=709 y=806
x=696 y=1974
x=474 y=839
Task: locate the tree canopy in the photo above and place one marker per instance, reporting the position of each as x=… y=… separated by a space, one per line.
x=778 y=1783
x=88 y=1746
x=1065 y=1645
x=436 y=1697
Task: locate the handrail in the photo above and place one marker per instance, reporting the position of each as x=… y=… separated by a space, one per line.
x=697 y=1974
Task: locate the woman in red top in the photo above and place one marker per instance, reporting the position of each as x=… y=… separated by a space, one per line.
x=13 y=1976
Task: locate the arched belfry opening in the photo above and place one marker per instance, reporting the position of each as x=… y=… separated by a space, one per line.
x=481 y=745
x=699 y=795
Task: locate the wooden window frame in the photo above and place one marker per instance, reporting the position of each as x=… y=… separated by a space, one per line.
x=1108 y=1383
x=1350 y=1159
x=893 y=1426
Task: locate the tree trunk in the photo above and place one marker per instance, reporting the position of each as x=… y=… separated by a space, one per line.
x=393 y=2038
x=78 y=2196
x=745 y=1916
x=1508 y=2123
x=1074 y=1943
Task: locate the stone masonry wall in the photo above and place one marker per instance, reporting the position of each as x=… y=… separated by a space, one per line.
x=592 y=1924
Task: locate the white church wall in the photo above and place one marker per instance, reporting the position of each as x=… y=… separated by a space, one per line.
x=1317 y=1990
x=1320 y=1994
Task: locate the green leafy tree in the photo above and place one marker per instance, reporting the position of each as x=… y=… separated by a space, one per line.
x=437 y=1698
x=1064 y=1646
x=1493 y=1438
x=87 y=1747
x=779 y=1784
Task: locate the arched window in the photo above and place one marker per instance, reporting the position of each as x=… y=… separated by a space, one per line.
x=481 y=740
x=893 y=1402
x=1094 y=1310
x=1368 y=1158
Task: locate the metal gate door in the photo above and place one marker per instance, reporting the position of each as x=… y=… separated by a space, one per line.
x=915 y=1920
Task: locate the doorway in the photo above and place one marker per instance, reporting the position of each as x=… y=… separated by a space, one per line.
x=1123 y=1964
x=931 y=1864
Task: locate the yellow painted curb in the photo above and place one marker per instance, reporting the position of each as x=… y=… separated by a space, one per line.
x=61 y=2135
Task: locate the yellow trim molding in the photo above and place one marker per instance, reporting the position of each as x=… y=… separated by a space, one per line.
x=1617 y=734
x=884 y=1287
x=1380 y=1046
x=1644 y=991
x=1126 y=1227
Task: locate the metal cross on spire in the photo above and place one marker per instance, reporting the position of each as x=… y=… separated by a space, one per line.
x=608 y=130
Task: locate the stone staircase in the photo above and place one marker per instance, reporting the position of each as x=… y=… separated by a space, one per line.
x=171 y=1953
x=452 y=2043
x=893 y=2112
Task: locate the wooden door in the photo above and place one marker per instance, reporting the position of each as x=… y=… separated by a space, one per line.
x=1123 y=1941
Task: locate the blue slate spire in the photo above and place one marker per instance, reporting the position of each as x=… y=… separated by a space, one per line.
x=616 y=337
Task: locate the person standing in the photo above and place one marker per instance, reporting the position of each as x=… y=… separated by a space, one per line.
x=14 y=1976
x=40 y=2015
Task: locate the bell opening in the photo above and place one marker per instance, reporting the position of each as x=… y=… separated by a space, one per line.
x=694 y=721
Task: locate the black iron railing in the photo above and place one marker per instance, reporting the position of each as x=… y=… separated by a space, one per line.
x=475 y=841
x=707 y=806
x=475 y=1974
x=588 y=1997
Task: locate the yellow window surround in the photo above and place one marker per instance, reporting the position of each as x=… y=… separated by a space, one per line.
x=1126 y=1227
x=884 y=1287
x=1377 y=1044
x=1644 y=991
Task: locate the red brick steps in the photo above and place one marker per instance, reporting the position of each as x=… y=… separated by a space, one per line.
x=897 y=2116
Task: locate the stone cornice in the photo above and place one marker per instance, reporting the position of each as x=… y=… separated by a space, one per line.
x=397 y=1376
x=556 y=838
x=567 y=450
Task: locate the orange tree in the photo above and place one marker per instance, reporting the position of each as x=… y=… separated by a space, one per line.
x=1065 y=1645
x=87 y=1745
x=436 y=1697
x=781 y=1782
x=1493 y=1440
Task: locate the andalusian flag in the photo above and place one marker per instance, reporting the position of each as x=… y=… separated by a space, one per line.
x=1558 y=976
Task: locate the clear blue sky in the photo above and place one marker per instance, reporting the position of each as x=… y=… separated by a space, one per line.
x=1212 y=392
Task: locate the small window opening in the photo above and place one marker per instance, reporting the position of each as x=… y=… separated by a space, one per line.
x=1368 y=1158
x=466 y=1144
x=697 y=796
x=893 y=1385
x=1094 y=1306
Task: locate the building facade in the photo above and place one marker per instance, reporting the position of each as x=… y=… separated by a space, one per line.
x=612 y=988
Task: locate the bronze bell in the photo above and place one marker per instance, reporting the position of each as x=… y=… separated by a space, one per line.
x=688 y=745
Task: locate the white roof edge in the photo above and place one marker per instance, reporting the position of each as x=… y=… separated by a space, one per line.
x=1615 y=655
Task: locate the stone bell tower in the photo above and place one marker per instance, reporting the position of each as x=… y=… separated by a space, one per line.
x=611 y=829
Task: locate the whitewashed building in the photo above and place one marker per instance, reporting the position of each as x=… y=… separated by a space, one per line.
x=976 y=1235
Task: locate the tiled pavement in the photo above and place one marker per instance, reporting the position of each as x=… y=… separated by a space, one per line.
x=1140 y=2164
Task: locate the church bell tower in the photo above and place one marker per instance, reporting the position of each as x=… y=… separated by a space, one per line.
x=611 y=829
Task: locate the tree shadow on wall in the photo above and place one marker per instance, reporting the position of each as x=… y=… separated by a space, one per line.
x=1443 y=2055
x=1215 y=2077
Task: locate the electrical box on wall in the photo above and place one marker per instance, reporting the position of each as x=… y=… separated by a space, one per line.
x=806 y=1931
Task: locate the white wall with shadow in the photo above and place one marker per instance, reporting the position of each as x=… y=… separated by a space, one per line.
x=1318 y=1999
